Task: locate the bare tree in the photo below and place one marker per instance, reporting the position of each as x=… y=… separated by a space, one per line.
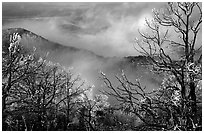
x=89 y=111
x=180 y=19
x=34 y=87
x=71 y=90
x=17 y=65
x=174 y=105
x=133 y=99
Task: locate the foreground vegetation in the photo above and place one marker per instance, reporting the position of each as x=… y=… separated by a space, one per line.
x=40 y=95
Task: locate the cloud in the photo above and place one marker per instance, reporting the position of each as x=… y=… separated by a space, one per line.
x=108 y=29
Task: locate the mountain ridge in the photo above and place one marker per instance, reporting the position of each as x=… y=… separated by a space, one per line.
x=85 y=62
x=54 y=45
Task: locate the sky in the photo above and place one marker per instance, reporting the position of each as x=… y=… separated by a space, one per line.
x=107 y=29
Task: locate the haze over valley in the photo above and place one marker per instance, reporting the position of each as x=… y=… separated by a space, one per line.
x=86 y=63
x=101 y=66
x=88 y=37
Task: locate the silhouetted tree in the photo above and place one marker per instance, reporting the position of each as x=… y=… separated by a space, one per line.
x=184 y=21
x=36 y=92
x=174 y=105
x=17 y=65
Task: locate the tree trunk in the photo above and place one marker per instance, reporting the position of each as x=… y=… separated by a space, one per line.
x=4 y=114
x=4 y=103
x=192 y=97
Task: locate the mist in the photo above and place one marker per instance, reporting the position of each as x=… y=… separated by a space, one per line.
x=107 y=29
x=104 y=33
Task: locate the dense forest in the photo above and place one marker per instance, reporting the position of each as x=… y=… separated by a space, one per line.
x=40 y=95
